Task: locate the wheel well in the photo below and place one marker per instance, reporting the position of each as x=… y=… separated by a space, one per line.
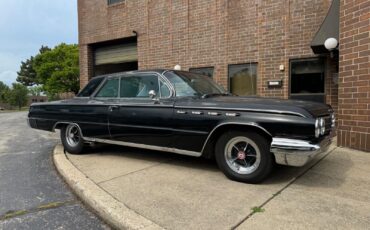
x=209 y=149
x=59 y=126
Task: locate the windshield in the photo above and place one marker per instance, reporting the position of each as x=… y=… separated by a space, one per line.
x=192 y=84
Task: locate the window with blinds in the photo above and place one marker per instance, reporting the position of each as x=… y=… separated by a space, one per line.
x=243 y=79
x=111 y=2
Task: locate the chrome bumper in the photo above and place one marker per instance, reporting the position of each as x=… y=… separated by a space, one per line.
x=294 y=152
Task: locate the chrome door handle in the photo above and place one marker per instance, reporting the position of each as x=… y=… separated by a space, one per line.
x=113 y=107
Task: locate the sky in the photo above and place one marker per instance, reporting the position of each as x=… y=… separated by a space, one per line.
x=25 y=25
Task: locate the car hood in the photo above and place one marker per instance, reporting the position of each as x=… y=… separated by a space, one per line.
x=267 y=105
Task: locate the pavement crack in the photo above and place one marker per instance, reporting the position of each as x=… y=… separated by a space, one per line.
x=281 y=190
x=51 y=205
x=139 y=170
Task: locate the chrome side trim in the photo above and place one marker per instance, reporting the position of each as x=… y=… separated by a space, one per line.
x=214 y=113
x=181 y=112
x=232 y=114
x=197 y=112
x=241 y=109
x=233 y=123
x=143 y=146
x=294 y=152
x=158 y=128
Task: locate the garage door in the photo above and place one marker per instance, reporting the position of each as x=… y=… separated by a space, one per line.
x=116 y=54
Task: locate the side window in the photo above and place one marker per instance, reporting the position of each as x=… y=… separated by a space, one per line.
x=139 y=86
x=165 y=91
x=90 y=87
x=110 y=88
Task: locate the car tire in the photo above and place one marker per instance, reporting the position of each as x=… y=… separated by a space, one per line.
x=72 y=139
x=244 y=157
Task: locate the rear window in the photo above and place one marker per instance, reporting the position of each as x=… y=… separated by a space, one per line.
x=90 y=87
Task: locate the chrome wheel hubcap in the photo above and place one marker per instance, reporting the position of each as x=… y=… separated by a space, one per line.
x=242 y=155
x=73 y=135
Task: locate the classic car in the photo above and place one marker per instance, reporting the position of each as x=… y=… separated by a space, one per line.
x=190 y=114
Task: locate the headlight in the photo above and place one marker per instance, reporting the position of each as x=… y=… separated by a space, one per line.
x=322 y=125
x=332 y=120
x=317 y=128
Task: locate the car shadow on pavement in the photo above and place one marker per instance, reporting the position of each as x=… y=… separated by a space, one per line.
x=280 y=174
x=155 y=156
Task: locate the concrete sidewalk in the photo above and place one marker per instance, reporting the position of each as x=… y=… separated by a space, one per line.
x=139 y=189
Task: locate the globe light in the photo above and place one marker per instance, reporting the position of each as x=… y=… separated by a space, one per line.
x=331 y=43
x=177 y=67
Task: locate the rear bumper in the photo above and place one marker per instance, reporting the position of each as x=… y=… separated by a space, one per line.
x=32 y=123
x=294 y=152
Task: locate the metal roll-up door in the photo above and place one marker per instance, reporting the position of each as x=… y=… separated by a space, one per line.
x=116 y=54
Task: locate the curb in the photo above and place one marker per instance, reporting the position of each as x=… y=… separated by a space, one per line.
x=109 y=209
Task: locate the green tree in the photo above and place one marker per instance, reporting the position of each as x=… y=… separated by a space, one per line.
x=18 y=95
x=27 y=74
x=4 y=90
x=35 y=90
x=58 y=69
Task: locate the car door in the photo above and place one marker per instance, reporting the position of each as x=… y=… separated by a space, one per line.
x=93 y=118
x=136 y=117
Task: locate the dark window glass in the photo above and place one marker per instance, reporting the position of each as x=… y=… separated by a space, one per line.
x=110 y=88
x=90 y=87
x=110 y=2
x=307 y=79
x=139 y=86
x=243 y=79
x=307 y=76
x=207 y=71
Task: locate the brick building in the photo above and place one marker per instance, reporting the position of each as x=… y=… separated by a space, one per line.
x=245 y=45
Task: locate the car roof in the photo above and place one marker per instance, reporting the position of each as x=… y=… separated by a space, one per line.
x=160 y=71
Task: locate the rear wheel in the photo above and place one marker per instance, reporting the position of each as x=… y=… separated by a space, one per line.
x=72 y=139
x=244 y=156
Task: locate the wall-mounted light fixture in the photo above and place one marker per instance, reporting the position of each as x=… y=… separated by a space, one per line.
x=331 y=45
x=177 y=67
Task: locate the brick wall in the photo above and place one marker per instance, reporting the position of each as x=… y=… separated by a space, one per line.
x=202 y=33
x=354 y=75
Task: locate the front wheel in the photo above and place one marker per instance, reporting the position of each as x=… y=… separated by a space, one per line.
x=72 y=139
x=244 y=156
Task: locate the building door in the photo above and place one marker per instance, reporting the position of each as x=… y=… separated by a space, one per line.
x=307 y=79
x=115 y=58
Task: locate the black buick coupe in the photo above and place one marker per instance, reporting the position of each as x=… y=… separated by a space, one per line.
x=187 y=113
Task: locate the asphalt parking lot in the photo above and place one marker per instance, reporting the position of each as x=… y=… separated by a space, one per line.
x=32 y=195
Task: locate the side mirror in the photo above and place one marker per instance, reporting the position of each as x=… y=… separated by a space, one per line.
x=152 y=94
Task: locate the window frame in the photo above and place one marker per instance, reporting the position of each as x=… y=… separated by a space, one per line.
x=291 y=61
x=241 y=64
x=115 y=2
